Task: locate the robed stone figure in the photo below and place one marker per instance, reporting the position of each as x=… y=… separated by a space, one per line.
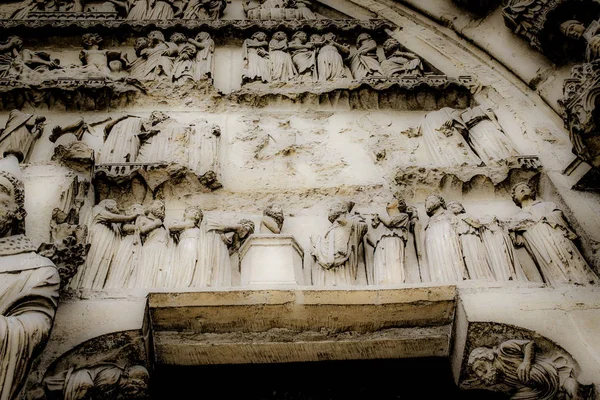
x=29 y=287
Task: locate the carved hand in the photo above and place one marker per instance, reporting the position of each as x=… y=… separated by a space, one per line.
x=524 y=371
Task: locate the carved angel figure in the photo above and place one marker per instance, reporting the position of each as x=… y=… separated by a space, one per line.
x=185 y=59
x=282 y=67
x=364 y=62
x=28 y=289
x=399 y=63
x=256 y=59
x=330 y=62
x=188 y=247
x=442 y=243
x=304 y=57
x=528 y=375
x=542 y=228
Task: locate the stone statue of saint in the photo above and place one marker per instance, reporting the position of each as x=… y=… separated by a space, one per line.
x=188 y=246
x=442 y=243
x=390 y=247
x=282 y=66
x=591 y=34
x=339 y=253
x=256 y=59
x=330 y=61
x=500 y=251
x=364 y=62
x=20 y=133
x=542 y=228
x=528 y=375
x=486 y=136
x=29 y=286
x=272 y=220
x=304 y=57
x=472 y=247
x=104 y=380
x=398 y=62
x=443 y=133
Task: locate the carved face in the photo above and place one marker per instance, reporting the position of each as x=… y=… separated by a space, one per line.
x=301 y=37
x=455 y=207
x=8 y=205
x=432 y=203
x=157 y=208
x=521 y=192
x=178 y=38
x=202 y=36
x=361 y=38
x=193 y=213
x=135 y=385
x=279 y=36
x=156 y=36
x=486 y=372
x=111 y=206
x=260 y=36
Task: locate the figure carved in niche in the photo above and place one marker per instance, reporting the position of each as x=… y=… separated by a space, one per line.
x=256 y=59
x=272 y=220
x=591 y=34
x=443 y=133
x=399 y=63
x=542 y=228
x=203 y=9
x=20 y=133
x=390 y=248
x=500 y=251
x=205 y=45
x=187 y=232
x=29 y=289
x=528 y=375
x=98 y=62
x=156 y=248
x=364 y=62
x=486 y=136
x=473 y=250
x=103 y=239
x=109 y=380
x=156 y=62
x=127 y=256
x=304 y=57
x=442 y=243
x=339 y=253
x=330 y=61
x=282 y=67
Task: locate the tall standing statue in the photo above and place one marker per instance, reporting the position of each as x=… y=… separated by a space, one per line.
x=443 y=133
x=272 y=220
x=282 y=67
x=473 y=249
x=205 y=45
x=188 y=246
x=339 y=253
x=154 y=260
x=541 y=227
x=527 y=374
x=442 y=243
x=399 y=63
x=486 y=136
x=500 y=251
x=304 y=57
x=256 y=59
x=20 y=133
x=29 y=286
x=364 y=62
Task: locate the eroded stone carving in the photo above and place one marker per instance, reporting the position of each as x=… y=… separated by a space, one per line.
x=110 y=380
x=187 y=232
x=28 y=291
x=203 y=9
x=339 y=253
x=525 y=373
x=256 y=59
x=590 y=34
x=398 y=62
x=480 y=7
x=24 y=64
x=542 y=228
x=279 y=9
x=500 y=251
x=272 y=220
x=364 y=62
x=20 y=133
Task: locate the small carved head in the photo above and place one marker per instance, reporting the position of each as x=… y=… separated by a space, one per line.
x=280 y=35
x=337 y=210
x=300 y=36
x=522 y=191
x=397 y=205
x=329 y=36
x=109 y=205
x=246 y=228
x=91 y=39
x=361 y=38
x=135 y=209
x=434 y=202
x=481 y=362
x=16 y=41
x=572 y=29
x=275 y=211
x=455 y=207
x=178 y=38
x=140 y=44
x=12 y=204
x=202 y=36
x=193 y=213
x=134 y=383
x=157 y=208
x=316 y=38
x=157 y=117
x=156 y=36
x=390 y=46
x=260 y=36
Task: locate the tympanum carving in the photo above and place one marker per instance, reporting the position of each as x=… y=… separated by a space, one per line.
x=279 y=9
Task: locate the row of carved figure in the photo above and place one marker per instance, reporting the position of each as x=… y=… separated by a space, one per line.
x=323 y=58
x=167 y=9
x=181 y=59
x=135 y=249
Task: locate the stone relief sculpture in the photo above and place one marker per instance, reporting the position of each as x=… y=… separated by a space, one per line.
x=256 y=59
x=442 y=243
x=473 y=250
x=156 y=248
x=20 y=133
x=304 y=57
x=272 y=220
x=193 y=58
x=399 y=63
x=97 y=62
x=29 y=290
x=443 y=133
x=203 y=9
x=500 y=251
x=110 y=380
x=339 y=253
x=160 y=10
x=187 y=232
x=19 y=63
x=330 y=62
x=155 y=60
x=279 y=9
x=282 y=67
x=390 y=248
x=121 y=141
x=590 y=34
x=542 y=228
x=364 y=62
x=527 y=374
